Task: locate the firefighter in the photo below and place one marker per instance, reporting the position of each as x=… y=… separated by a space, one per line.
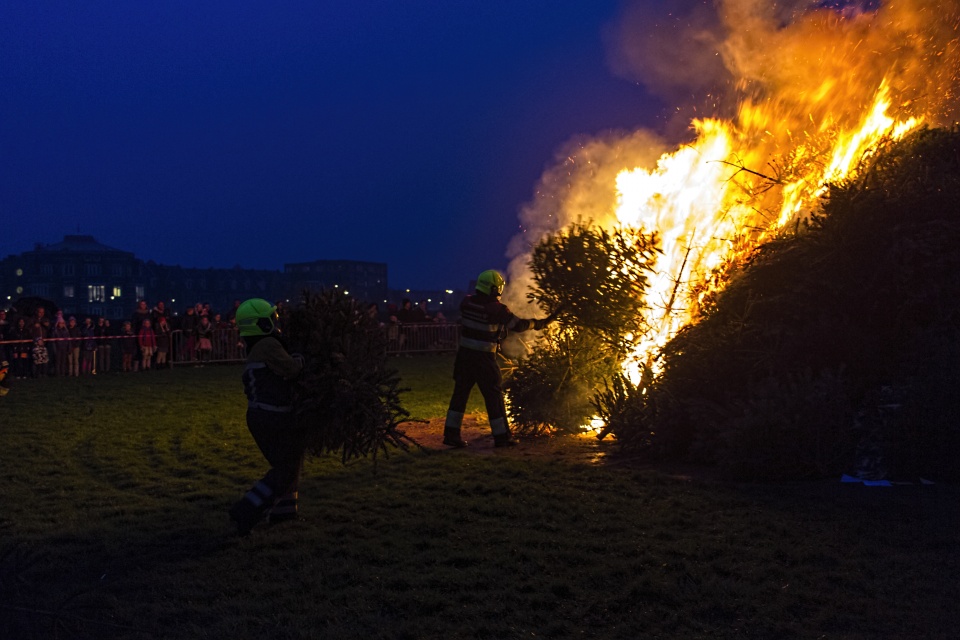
x=268 y=383
x=483 y=318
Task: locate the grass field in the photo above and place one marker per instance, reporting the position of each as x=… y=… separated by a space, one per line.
x=115 y=489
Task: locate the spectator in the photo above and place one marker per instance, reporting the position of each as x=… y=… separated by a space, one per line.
x=20 y=350
x=232 y=314
x=141 y=313
x=104 y=349
x=393 y=328
x=73 y=357
x=404 y=316
x=61 y=347
x=240 y=347
x=41 y=358
x=163 y=341
x=41 y=323
x=188 y=328
x=420 y=313
x=221 y=336
x=147 y=341
x=128 y=346
x=159 y=311
x=89 y=350
x=373 y=312
x=204 y=333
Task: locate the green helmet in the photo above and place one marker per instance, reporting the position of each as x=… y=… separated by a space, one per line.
x=256 y=317
x=490 y=282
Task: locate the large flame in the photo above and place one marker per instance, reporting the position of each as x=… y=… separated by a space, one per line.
x=703 y=202
x=812 y=98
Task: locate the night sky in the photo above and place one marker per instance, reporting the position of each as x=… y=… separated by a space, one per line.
x=216 y=133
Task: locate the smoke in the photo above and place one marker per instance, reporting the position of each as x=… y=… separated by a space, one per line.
x=673 y=50
x=580 y=186
x=811 y=65
x=706 y=58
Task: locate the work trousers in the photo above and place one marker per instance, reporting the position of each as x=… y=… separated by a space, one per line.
x=282 y=444
x=478 y=368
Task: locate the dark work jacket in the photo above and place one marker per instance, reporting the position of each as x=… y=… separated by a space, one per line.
x=483 y=318
x=267 y=378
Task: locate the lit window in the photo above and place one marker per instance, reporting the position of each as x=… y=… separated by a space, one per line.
x=140 y=292
x=116 y=292
x=68 y=291
x=96 y=293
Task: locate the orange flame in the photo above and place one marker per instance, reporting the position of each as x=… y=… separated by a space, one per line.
x=815 y=97
x=703 y=202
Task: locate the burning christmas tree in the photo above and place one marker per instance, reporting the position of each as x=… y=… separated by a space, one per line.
x=801 y=96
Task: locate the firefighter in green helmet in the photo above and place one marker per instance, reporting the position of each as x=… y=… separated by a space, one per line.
x=268 y=383
x=483 y=318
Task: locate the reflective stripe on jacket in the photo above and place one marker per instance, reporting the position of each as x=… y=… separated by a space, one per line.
x=483 y=318
x=267 y=376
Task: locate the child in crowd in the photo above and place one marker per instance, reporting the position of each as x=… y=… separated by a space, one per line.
x=102 y=333
x=40 y=358
x=61 y=347
x=89 y=350
x=147 y=340
x=163 y=341
x=128 y=346
x=204 y=333
x=73 y=356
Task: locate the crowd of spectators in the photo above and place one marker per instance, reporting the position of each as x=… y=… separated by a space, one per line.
x=44 y=342
x=408 y=326
x=40 y=343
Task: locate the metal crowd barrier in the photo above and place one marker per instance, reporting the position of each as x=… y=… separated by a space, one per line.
x=226 y=346
x=422 y=338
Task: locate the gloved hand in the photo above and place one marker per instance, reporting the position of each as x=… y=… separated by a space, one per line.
x=543 y=322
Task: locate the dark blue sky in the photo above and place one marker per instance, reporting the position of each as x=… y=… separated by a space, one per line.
x=223 y=132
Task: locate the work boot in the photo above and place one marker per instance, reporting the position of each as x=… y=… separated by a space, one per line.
x=451 y=438
x=503 y=440
x=252 y=507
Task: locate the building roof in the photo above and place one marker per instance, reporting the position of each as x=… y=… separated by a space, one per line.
x=86 y=244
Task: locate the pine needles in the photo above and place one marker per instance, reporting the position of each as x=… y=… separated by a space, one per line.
x=597 y=278
x=348 y=398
